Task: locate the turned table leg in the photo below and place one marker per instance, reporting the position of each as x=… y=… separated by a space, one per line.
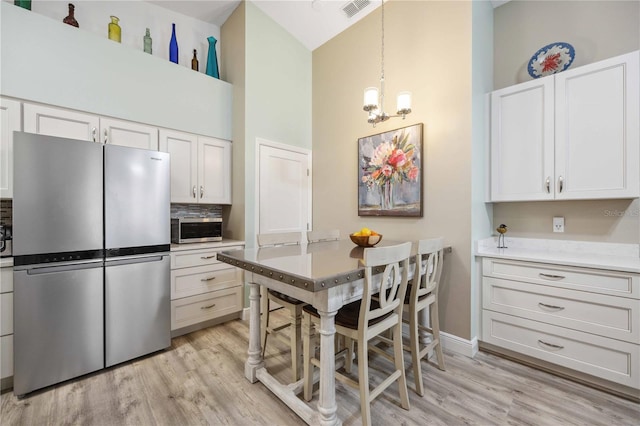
x=254 y=360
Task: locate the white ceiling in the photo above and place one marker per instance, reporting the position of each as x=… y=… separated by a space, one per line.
x=312 y=22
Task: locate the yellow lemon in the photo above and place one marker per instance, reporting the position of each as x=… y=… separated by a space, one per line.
x=366 y=232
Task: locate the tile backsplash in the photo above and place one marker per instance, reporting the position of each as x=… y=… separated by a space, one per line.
x=196 y=210
x=6 y=213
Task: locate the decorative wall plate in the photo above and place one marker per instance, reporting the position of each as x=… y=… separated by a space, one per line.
x=552 y=58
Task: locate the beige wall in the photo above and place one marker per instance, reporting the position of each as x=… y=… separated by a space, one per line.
x=427 y=51
x=597 y=30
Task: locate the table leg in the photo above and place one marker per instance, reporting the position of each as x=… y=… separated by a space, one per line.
x=255 y=360
x=327 y=404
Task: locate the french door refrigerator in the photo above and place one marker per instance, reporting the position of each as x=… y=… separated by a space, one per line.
x=91 y=257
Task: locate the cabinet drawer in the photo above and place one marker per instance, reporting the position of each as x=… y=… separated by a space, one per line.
x=592 y=280
x=190 y=258
x=6 y=280
x=608 y=316
x=192 y=281
x=609 y=359
x=195 y=309
x=6 y=356
x=6 y=314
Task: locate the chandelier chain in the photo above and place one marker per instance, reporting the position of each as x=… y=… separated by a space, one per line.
x=382 y=64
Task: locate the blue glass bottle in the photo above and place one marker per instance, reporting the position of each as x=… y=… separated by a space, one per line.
x=173 y=46
x=212 y=59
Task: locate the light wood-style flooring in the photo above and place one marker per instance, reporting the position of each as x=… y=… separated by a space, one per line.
x=200 y=381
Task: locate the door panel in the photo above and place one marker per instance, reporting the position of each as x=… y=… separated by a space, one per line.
x=284 y=190
x=58 y=325
x=183 y=148
x=126 y=133
x=60 y=122
x=136 y=193
x=214 y=170
x=137 y=308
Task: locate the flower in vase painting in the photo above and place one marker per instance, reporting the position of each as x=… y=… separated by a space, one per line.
x=391 y=162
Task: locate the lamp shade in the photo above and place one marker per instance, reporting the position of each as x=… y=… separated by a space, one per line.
x=404 y=102
x=370 y=98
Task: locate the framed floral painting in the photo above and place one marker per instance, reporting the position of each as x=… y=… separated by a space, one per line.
x=390 y=173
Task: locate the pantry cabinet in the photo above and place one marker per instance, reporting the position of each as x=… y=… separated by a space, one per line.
x=52 y=121
x=572 y=135
x=9 y=122
x=200 y=167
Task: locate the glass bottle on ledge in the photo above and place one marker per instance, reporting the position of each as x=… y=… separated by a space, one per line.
x=194 y=61
x=25 y=4
x=71 y=19
x=173 y=45
x=114 y=29
x=146 y=42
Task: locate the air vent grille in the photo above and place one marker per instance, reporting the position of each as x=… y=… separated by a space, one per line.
x=355 y=6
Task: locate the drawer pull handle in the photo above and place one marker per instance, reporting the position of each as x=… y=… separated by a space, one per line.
x=208 y=279
x=213 y=256
x=551 y=345
x=551 y=277
x=207 y=307
x=544 y=305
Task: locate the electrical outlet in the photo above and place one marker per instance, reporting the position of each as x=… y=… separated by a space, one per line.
x=558 y=224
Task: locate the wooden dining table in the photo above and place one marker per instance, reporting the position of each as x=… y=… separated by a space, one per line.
x=326 y=275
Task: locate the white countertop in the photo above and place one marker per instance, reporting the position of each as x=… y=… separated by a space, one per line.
x=199 y=246
x=610 y=256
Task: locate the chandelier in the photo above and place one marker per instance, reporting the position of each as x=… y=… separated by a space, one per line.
x=374 y=100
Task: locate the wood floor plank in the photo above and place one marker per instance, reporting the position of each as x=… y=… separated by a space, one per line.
x=200 y=381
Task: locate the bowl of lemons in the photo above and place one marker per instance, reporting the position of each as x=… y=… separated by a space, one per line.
x=365 y=237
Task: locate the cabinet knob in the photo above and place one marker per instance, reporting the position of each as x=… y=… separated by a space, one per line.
x=560 y=184
x=201 y=191
x=93 y=134
x=548 y=183
x=194 y=191
x=106 y=134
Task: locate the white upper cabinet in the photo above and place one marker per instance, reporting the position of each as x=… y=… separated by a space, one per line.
x=9 y=122
x=63 y=123
x=200 y=167
x=572 y=135
x=214 y=170
x=46 y=120
x=126 y=133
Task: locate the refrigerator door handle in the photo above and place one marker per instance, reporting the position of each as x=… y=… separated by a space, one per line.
x=64 y=268
x=132 y=260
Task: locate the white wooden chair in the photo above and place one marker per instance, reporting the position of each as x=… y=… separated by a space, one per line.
x=364 y=320
x=323 y=235
x=422 y=293
x=288 y=332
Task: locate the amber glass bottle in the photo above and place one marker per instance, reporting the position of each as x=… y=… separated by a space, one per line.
x=71 y=19
x=194 y=61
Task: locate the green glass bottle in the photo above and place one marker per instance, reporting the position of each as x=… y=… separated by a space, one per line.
x=146 y=40
x=114 y=29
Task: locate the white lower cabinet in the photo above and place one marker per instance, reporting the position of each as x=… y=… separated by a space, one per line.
x=203 y=288
x=6 y=327
x=577 y=318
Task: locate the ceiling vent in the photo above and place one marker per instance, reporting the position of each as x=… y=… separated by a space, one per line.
x=355 y=6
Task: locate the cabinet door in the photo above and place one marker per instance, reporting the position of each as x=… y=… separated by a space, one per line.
x=9 y=122
x=522 y=142
x=597 y=125
x=126 y=133
x=183 y=148
x=63 y=123
x=214 y=170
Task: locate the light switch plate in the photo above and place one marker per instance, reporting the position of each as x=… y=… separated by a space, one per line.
x=558 y=224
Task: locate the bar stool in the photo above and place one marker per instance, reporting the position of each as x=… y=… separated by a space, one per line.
x=365 y=319
x=323 y=235
x=288 y=332
x=422 y=293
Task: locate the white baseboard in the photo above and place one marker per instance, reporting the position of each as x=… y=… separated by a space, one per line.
x=450 y=342
x=459 y=345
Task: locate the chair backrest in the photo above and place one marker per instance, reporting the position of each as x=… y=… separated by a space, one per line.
x=279 y=239
x=394 y=263
x=323 y=235
x=428 y=267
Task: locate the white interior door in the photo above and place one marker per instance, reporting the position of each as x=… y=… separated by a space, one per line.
x=284 y=188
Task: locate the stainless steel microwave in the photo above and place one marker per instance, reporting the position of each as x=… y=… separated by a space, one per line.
x=196 y=229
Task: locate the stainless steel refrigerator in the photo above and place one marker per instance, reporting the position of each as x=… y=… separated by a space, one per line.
x=91 y=233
